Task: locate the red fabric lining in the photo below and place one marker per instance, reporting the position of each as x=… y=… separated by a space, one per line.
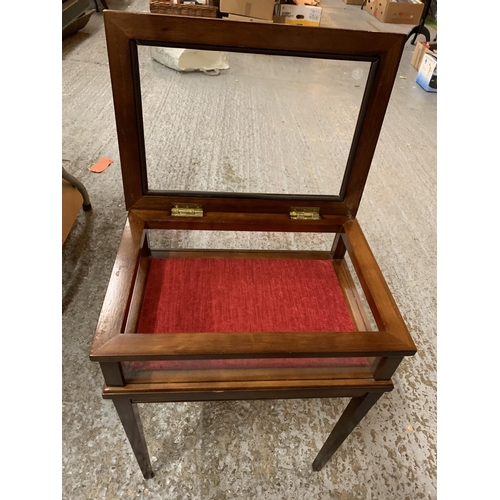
x=244 y=295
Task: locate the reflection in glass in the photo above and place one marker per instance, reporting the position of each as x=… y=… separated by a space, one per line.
x=267 y=124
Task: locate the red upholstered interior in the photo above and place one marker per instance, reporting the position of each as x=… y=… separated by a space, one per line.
x=193 y=295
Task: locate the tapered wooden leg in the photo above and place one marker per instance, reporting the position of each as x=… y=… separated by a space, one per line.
x=129 y=416
x=353 y=414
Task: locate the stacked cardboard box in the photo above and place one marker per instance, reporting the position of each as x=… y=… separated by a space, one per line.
x=245 y=19
x=256 y=9
x=421 y=49
x=271 y=11
x=425 y=60
x=300 y=15
x=396 y=11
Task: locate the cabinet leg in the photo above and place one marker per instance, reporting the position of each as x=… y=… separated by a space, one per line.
x=353 y=414
x=129 y=416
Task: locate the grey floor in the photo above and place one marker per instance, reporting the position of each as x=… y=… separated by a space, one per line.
x=268 y=126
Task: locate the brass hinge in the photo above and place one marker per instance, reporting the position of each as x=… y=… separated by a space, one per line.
x=305 y=213
x=187 y=210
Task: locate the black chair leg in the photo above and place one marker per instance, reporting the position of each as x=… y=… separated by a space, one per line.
x=419 y=30
x=104 y=5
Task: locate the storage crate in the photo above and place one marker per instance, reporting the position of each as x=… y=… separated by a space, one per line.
x=167 y=7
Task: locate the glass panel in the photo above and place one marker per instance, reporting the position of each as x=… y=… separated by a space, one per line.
x=142 y=372
x=267 y=124
x=364 y=311
x=160 y=239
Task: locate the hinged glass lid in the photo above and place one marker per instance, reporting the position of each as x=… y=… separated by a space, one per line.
x=266 y=124
x=289 y=105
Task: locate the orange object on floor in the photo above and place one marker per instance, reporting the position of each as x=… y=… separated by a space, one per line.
x=101 y=165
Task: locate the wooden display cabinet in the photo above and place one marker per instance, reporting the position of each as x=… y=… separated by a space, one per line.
x=310 y=361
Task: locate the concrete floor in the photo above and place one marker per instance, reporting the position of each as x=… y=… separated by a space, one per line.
x=251 y=449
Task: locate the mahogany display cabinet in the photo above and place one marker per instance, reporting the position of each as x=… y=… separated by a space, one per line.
x=213 y=325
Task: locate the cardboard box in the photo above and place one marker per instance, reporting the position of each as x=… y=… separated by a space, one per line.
x=259 y=9
x=421 y=49
x=354 y=2
x=244 y=19
x=427 y=73
x=71 y=205
x=234 y=17
x=301 y=15
x=370 y=6
x=387 y=11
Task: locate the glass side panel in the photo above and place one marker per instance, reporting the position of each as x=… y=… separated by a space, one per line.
x=191 y=294
x=238 y=240
x=186 y=371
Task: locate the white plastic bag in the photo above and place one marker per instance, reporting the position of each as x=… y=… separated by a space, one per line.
x=207 y=61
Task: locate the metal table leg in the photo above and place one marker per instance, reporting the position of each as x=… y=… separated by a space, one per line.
x=421 y=28
x=75 y=182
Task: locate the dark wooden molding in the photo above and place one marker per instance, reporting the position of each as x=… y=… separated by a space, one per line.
x=382 y=304
x=113 y=374
x=202 y=391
